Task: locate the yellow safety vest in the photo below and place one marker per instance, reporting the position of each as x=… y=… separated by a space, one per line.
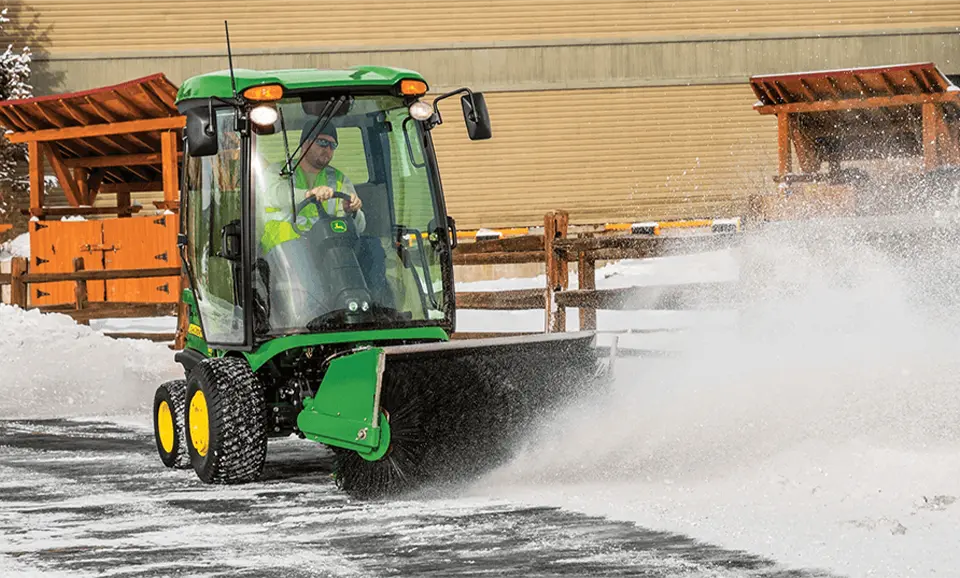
x=277 y=227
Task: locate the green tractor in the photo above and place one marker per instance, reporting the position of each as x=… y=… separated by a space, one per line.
x=310 y=317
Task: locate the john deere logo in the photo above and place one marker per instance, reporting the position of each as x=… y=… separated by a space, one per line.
x=338 y=226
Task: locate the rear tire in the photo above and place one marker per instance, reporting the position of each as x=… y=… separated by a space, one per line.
x=169 y=406
x=226 y=422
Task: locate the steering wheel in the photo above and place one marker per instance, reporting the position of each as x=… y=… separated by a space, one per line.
x=323 y=213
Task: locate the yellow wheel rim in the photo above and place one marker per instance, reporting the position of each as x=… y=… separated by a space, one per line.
x=165 y=426
x=199 y=423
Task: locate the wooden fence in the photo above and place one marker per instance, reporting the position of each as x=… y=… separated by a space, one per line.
x=555 y=248
x=83 y=311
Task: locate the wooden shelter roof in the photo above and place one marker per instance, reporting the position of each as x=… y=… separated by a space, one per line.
x=114 y=128
x=801 y=91
x=859 y=113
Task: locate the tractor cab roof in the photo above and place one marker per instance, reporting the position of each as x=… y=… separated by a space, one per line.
x=218 y=84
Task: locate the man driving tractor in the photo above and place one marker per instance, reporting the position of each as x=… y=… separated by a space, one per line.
x=316 y=178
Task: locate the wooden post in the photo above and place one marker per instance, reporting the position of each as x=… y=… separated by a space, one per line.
x=587 y=276
x=784 y=125
x=36 y=176
x=171 y=186
x=931 y=120
x=555 y=227
x=18 y=289
x=80 y=292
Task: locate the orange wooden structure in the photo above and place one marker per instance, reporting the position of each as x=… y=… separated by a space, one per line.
x=116 y=139
x=856 y=134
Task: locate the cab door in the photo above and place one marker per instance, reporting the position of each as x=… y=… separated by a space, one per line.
x=212 y=186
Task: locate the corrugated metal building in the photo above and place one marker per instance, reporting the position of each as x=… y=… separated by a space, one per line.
x=615 y=110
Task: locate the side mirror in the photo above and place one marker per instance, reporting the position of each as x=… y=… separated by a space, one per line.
x=230 y=241
x=201 y=131
x=475 y=116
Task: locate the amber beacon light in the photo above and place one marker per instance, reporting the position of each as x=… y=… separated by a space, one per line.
x=265 y=92
x=410 y=87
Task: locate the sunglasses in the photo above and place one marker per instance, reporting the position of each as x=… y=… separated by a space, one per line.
x=322 y=142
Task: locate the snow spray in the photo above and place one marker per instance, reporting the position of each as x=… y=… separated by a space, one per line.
x=836 y=340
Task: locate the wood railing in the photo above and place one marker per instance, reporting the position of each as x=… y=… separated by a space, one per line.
x=82 y=310
x=586 y=251
x=557 y=250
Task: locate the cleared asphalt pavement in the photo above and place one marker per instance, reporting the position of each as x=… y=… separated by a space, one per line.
x=88 y=498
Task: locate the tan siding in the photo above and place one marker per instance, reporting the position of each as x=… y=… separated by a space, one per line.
x=614 y=155
x=109 y=26
x=608 y=155
x=552 y=67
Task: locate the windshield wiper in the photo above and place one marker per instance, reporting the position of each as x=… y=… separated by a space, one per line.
x=330 y=109
x=426 y=283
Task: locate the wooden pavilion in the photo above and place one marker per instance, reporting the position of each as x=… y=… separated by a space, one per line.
x=881 y=123
x=116 y=139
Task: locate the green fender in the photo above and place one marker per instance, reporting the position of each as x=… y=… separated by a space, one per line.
x=346 y=412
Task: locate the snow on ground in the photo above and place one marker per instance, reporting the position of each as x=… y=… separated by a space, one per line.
x=136 y=325
x=16 y=247
x=822 y=431
x=54 y=367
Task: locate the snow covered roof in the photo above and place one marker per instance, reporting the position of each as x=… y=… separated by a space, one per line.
x=830 y=89
x=74 y=124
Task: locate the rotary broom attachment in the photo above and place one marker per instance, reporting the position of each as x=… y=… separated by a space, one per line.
x=458 y=409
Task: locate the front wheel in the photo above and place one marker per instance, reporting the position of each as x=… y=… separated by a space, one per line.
x=226 y=421
x=169 y=404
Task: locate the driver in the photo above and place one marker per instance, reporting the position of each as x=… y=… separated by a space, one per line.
x=321 y=180
x=314 y=177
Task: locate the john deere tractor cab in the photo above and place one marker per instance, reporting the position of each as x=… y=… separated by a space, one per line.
x=313 y=318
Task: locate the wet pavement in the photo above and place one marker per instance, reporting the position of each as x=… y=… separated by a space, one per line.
x=86 y=498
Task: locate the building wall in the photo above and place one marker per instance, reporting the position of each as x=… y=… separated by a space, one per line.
x=609 y=155
x=106 y=27
x=612 y=109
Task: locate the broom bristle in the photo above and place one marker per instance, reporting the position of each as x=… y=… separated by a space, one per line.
x=454 y=416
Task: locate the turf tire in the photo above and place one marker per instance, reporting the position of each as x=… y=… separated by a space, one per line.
x=237 y=421
x=174 y=394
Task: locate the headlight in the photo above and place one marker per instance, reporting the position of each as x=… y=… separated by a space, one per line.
x=263 y=115
x=421 y=110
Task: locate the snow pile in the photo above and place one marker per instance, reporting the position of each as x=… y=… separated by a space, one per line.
x=53 y=367
x=824 y=431
x=17 y=247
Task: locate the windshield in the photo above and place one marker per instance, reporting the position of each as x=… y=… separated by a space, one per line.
x=349 y=238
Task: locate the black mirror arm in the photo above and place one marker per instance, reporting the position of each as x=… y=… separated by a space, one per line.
x=210 y=129
x=436 y=119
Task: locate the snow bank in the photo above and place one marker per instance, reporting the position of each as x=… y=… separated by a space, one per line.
x=52 y=367
x=823 y=431
x=17 y=247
